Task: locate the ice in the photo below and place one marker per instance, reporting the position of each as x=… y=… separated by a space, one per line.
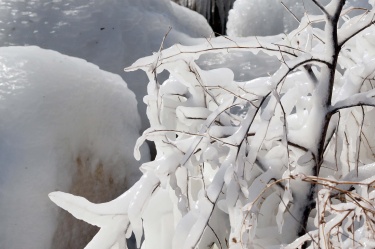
x=362 y=174
x=266 y=137
x=270 y=17
x=252 y=18
x=189 y=115
x=65 y=125
x=204 y=208
x=159 y=221
x=68 y=120
x=111 y=34
x=99 y=216
x=183 y=228
x=141 y=196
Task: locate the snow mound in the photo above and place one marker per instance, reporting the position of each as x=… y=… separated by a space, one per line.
x=64 y=125
x=111 y=34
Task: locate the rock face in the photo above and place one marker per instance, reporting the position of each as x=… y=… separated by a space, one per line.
x=64 y=125
x=215 y=11
x=96 y=185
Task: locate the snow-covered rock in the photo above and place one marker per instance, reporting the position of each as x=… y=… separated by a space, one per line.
x=111 y=34
x=64 y=125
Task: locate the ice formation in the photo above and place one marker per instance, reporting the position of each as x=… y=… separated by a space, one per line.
x=110 y=34
x=41 y=144
x=259 y=163
x=64 y=125
x=271 y=17
x=260 y=17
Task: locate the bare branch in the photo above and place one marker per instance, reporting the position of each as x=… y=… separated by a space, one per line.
x=320 y=7
x=290 y=12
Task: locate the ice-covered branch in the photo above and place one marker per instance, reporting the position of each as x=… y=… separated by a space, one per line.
x=355 y=26
x=270 y=45
x=359 y=99
x=262 y=163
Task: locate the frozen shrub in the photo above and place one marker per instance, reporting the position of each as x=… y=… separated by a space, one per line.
x=278 y=161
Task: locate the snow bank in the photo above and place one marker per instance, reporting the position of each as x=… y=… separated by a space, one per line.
x=64 y=125
x=111 y=34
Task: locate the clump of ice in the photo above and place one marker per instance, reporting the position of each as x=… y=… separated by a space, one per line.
x=59 y=115
x=111 y=34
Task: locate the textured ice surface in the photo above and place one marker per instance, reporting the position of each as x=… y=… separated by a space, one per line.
x=64 y=125
x=111 y=34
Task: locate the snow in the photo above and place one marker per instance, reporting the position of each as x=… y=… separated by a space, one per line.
x=95 y=117
x=66 y=124
x=274 y=138
x=57 y=114
x=111 y=34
